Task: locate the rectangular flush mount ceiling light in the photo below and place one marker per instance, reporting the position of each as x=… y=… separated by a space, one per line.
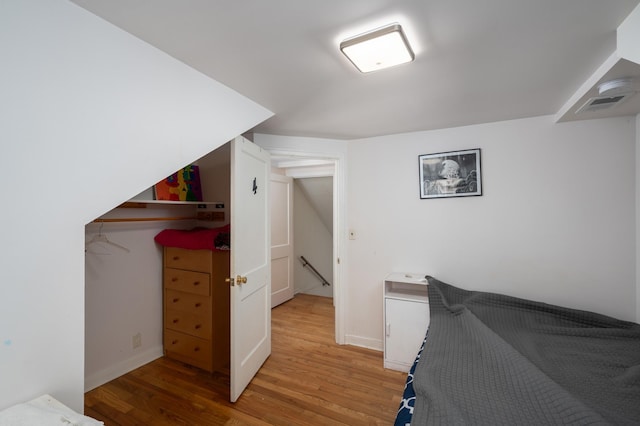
x=378 y=49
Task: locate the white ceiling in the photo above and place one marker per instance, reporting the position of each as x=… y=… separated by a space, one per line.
x=476 y=61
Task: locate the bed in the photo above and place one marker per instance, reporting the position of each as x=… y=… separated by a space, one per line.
x=492 y=359
x=44 y=410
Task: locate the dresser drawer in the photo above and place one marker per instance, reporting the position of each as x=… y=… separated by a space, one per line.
x=191 y=324
x=192 y=260
x=189 y=349
x=187 y=302
x=187 y=281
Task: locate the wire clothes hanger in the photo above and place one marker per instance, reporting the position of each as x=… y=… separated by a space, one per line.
x=101 y=238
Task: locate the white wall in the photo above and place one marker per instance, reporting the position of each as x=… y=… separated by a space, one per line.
x=90 y=116
x=215 y=175
x=556 y=221
x=123 y=293
x=637 y=218
x=312 y=240
x=627 y=37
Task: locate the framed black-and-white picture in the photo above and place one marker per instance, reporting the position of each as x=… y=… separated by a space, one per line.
x=450 y=174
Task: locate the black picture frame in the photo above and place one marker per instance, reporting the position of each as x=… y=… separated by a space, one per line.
x=450 y=174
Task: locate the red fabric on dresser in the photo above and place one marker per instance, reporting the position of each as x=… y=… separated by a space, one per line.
x=196 y=239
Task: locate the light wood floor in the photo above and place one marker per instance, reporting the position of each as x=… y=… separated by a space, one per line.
x=307 y=380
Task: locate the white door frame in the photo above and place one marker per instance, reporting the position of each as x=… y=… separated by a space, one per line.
x=308 y=164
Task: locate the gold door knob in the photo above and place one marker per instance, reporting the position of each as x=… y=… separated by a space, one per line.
x=237 y=280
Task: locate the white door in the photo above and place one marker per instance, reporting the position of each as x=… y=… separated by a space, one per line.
x=281 y=239
x=250 y=262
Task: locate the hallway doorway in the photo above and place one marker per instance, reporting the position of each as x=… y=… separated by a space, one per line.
x=310 y=173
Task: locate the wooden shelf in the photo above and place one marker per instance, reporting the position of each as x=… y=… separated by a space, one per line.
x=208 y=211
x=141 y=204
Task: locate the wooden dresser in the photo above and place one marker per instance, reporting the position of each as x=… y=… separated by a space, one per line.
x=196 y=307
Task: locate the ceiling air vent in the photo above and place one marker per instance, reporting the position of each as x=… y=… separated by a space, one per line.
x=611 y=93
x=599 y=103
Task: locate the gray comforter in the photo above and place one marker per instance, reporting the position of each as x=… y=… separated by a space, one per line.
x=492 y=359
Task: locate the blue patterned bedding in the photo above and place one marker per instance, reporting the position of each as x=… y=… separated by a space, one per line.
x=405 y=411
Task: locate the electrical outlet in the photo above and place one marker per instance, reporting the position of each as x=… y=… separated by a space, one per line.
x=137 y=340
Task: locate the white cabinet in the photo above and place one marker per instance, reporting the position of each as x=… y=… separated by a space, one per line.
x=406 y=318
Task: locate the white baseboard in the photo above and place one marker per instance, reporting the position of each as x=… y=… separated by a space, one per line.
x=364 y=342
x=114 y=371
x=398 y=366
